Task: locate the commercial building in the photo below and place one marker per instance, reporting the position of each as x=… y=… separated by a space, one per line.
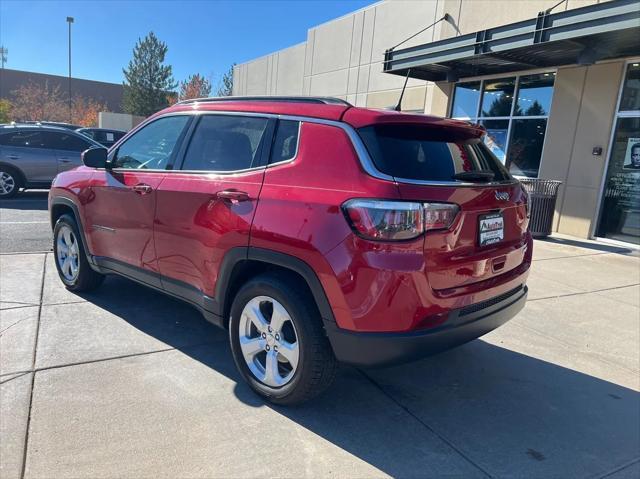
x=556 y=85
x=109 y=94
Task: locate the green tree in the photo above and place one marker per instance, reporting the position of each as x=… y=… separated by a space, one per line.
x=148 y=80
x=5 y=111
x=196 y=86
x=225 y=87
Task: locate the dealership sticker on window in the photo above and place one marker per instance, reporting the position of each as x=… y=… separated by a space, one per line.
x=491 y=228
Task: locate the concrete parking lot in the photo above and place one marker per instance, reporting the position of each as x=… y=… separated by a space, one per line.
x=125 y=382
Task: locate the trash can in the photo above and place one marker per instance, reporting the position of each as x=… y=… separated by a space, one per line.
x=542 y=198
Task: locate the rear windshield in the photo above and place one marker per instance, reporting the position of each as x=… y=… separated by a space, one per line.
x=419 y=153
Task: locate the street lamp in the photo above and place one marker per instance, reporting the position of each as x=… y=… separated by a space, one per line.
x=69 y=21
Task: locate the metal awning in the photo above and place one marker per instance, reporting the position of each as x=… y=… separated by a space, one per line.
x=579 y=36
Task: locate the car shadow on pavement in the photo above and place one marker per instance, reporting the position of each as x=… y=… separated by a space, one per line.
x=27 y=200
x=493 y=410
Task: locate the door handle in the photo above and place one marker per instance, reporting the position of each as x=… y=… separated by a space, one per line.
x=13 y=157
x=142 y=189
x=65 y=160
x=235 y=196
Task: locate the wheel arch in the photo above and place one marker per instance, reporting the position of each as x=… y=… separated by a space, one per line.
x=243 y=263
x=60 y=206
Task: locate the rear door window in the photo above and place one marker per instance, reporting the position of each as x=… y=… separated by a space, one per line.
x=65 y=141
x=225 y=143
x=417 y=153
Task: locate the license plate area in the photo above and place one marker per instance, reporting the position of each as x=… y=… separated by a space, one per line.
x=490 y=229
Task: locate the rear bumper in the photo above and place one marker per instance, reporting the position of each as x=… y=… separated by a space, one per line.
x=463 y=325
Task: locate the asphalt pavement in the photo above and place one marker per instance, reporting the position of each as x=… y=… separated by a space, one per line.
x=24 y=223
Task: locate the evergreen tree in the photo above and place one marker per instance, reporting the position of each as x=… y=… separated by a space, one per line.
x=147 y=80
x=225 y=87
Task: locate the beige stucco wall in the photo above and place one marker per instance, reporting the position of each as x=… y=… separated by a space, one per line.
x=582 y=116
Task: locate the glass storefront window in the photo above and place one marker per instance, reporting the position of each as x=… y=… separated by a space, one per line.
x=525 y=147
x=465 y=100
x=497 y=97
x=515 y=128
x=631 y=91
x=534 y=95
x=496 y=137
x=620 y=204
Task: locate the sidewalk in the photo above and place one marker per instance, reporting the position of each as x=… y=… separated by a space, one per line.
x=125 y=382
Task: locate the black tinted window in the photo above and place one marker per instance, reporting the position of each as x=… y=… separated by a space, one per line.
x=65 y=141
x=225 y=143
x=27 y=139
x=419 y=153
x=151 y=147
x=285 y=143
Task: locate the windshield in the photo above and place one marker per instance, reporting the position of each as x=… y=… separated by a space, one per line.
x=417 y=153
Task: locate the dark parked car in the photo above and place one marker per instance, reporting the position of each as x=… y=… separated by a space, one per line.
x=314 y=231
x=32 y=155
x=105 y=136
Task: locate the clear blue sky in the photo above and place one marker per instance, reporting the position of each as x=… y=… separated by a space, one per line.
x=203 y=36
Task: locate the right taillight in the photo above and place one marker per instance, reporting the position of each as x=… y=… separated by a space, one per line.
x=527 y=201
x=385 y=220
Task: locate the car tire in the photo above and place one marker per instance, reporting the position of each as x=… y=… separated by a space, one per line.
x=10 y=182
x=70 y=257
x=277 y=299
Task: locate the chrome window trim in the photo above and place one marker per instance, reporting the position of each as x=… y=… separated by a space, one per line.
x=363 y=155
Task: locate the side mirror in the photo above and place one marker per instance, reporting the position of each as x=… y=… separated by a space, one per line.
x=95 y=157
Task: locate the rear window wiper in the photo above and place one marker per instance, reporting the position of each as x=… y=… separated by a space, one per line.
x=479 y=175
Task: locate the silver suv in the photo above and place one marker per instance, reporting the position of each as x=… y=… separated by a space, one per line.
x=32 y=155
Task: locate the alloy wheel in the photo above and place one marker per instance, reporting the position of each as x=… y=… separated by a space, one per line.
x=7 y=183
x=67 y=253
x=269 y=341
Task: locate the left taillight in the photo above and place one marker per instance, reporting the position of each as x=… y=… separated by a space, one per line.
x=385 y=220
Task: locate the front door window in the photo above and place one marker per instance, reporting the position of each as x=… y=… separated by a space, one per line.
x=620 y=208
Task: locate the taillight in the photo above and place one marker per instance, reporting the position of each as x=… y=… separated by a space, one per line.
x=384 y=220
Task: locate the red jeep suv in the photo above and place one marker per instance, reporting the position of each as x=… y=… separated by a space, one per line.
x=314 y=231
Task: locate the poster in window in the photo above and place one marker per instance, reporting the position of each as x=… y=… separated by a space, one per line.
x=632 y=155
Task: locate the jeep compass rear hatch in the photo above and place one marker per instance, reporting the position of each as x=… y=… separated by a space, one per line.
x=475 y=212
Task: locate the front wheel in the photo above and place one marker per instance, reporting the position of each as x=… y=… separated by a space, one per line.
x=278 y=342
x=71 y=261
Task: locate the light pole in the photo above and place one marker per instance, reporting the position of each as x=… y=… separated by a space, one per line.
x=69 y=21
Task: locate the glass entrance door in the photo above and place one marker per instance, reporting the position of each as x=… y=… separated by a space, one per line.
x=620 y=207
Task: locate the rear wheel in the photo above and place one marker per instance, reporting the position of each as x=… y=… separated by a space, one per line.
x=9 y=182
x=71 y=261
x=278 y=342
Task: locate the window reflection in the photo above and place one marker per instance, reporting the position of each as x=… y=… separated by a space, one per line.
x=465 y=100
x=497 y=97
x=496 y=137
x=631 y=92
x=525 y=147
x=534 y=95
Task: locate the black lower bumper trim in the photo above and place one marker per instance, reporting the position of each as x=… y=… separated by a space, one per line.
x=387 y=349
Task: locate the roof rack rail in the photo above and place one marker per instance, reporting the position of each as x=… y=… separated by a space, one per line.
x=325 y=100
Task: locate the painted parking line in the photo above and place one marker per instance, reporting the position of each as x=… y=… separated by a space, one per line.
x=24 y=222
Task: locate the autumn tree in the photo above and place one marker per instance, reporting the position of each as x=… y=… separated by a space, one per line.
x=5 y=111
x=41 y=102
x=196 y=86
x=147 y=79
x=225 y=87
x=84 y=111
